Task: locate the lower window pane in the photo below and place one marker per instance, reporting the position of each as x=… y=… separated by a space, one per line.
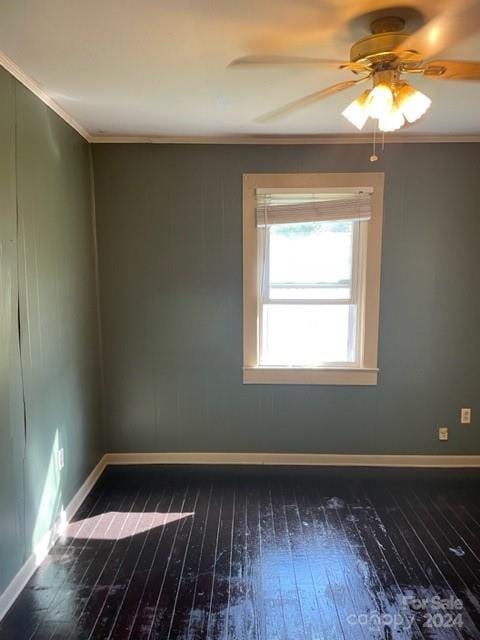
x=307 y=335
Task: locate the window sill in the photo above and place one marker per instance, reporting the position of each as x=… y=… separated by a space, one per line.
x=291 y=375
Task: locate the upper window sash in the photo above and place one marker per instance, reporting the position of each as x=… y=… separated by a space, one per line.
x=353 y=283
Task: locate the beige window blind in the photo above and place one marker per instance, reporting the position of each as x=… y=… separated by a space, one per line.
x=280 y=206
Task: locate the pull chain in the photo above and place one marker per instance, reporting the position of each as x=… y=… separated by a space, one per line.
x=374 y=157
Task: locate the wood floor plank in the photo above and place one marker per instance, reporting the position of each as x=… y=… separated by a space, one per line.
x=125 y=562
x=198 y=621
x=145 y=613
x=362 y=526
x=419 y=578
x=273 y=625
x=315 y=626
x=460 y=520
x=441 y=561
x=72 y=597
x=252 y=605
x=453 y=531
x=295 y=616
x=237 y=597
x=166 y=599
x=219 y=599
x=99 y=577
x=344 y=581
x=316 y=543
x=122 y=623
x=185 y=594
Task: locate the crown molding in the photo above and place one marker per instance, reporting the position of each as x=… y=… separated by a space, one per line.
x=37 y=90
x=33 y=86
x=282 y=139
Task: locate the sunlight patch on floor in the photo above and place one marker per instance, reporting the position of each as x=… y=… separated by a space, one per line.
x=116 y=525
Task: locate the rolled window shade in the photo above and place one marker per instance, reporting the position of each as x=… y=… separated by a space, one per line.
x=280 y=207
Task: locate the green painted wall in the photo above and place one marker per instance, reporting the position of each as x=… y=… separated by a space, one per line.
x=170 y=247
x=45 y=168
x=169 y=226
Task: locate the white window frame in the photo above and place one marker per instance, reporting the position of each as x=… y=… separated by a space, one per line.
x=365 y=370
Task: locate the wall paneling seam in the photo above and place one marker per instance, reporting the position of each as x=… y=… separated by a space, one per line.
x=97 y=298
x=19 y=332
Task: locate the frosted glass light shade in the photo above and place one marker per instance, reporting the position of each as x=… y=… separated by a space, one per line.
x=380 y=101
x=412 y=103
x=356 y=112
x=391 y=121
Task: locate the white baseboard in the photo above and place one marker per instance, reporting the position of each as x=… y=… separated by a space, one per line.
x=320 y=459
x=11 y=593
x=86 y=487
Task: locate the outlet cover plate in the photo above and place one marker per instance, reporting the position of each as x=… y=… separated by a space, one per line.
x=443 y=433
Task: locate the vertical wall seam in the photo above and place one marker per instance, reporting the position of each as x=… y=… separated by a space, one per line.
x=19 y=323
x=97 y=298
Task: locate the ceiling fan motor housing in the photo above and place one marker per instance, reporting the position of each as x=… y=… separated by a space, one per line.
x=378 y=48
x=385 y=43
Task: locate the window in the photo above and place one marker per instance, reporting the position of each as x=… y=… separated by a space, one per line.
x=312 y=246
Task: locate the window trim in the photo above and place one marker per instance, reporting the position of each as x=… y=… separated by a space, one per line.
x=367 y=372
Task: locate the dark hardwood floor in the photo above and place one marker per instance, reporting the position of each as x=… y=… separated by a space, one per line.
x=267 y=553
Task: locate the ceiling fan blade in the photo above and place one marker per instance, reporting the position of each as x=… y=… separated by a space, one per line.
x=272 y=60
x=456 y=23
x=453 y=70
x=308 y=100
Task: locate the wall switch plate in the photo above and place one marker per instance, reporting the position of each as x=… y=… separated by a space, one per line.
x=60 y=459
x=443 y=433
x=465 y=416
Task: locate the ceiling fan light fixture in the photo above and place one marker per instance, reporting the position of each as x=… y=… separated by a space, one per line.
x=380 y=101
x=411 y=102
x=356 y=112
x=384 y=56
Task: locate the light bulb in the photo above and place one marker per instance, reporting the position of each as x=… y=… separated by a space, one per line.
x=380 y=101
x=411 y=102
x=356 y=112
x=392 y=120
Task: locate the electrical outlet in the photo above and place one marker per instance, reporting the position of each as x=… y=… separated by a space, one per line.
x=465 y=416
x=60 y=459
x=443 y=433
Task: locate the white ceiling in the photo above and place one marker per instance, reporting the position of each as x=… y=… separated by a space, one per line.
x=158 y=67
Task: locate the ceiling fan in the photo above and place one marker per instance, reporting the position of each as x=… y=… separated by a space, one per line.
x=384 y=58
